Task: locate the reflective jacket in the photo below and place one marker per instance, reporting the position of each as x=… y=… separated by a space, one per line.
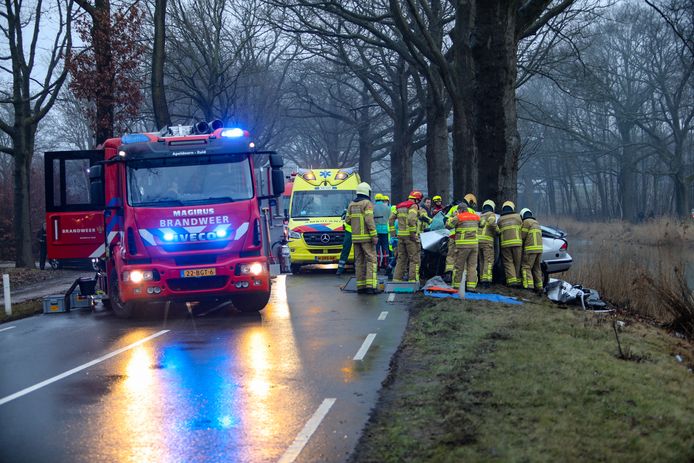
x=407 y=214
x=488 y=228
x=381 y=216
x=360 y=215
x=424 y=220
x=346 y=225
x=465 y=225
x=510 y=230
x=531 y=234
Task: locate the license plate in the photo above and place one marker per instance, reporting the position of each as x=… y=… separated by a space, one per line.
x=198 y=272
x=325 y=258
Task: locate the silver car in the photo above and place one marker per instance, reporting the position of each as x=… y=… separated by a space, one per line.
x=555 y=254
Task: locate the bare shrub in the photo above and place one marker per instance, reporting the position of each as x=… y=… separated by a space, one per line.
x=676 y=299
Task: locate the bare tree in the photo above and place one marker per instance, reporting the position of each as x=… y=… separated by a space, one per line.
x=160 y=106
x=35 y=87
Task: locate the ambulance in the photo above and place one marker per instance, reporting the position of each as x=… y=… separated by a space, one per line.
x=316 y=229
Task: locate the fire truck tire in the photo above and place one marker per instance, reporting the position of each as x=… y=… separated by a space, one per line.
x=120 y=309
x=251 y=302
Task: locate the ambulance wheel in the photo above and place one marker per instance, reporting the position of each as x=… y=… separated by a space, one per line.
x=254 y=302
x=120 y=309
x=295 y=268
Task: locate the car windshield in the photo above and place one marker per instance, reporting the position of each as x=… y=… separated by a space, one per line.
x=320 y=203
x=186 y=181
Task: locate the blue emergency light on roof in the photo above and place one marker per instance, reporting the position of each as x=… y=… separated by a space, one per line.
x=233 y=133
x=134 y=138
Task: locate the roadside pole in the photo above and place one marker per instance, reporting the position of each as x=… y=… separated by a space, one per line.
x=6 y=288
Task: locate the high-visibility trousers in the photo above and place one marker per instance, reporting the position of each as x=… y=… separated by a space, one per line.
x=365 y=264
x=466 y=260
x=486 y=256
x=346 y=248
x=408 y=259
x=531 y=270
x=450 y=257
x=511 y=258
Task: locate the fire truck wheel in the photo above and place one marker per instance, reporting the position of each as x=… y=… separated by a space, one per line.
x=251 y=302
x=120 y=309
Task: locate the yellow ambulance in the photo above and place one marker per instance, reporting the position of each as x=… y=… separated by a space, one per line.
x=316 y=230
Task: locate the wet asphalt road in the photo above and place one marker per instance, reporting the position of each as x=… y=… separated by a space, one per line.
x=219 y=387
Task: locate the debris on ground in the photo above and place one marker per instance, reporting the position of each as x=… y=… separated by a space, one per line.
x=565 y=293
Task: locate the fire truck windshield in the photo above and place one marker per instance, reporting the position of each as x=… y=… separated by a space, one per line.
x=190 y=180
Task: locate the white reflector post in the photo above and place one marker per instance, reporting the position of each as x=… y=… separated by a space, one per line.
x=6 y=289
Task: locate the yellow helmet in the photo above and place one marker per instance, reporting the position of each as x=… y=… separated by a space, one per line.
x=378 y=197
x=385 y=198
x=489 y=203
x=436 y=198
x=470 y=199
x=509 y=204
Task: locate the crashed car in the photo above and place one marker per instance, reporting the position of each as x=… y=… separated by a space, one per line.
x=555 y=255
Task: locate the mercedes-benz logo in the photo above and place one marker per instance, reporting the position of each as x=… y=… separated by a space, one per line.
x=325 y=238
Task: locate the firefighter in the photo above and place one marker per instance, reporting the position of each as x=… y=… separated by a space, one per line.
x=346 y=244
x=360 y=215
x=465 y=223
x=381 y=216
x=510 y=242
x=531 y=234
x=408 y=254
x=471 y=201
x=437 y=205
x=487 y=232
x=450 y=256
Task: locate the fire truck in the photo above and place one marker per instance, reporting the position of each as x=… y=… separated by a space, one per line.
x=169 y=216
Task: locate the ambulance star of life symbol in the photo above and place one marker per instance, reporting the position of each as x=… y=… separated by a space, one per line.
x=325 y=238
x=324 y=173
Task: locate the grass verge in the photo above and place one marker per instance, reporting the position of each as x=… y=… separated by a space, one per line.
x=488 y=382
x=22 y=310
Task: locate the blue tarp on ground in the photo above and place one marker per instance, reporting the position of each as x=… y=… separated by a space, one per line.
x=476 y=297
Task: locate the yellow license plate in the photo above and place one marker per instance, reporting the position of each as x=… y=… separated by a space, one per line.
x=325 y=258
x=199 y=272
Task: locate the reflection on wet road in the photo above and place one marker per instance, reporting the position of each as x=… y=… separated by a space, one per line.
x=223 y=387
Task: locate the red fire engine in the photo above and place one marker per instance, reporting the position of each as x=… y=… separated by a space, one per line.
x=170 y=216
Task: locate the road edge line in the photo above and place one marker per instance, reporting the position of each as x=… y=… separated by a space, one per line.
x=293 y=451
x=7 y=328
x=79 y=368
x=361 y=353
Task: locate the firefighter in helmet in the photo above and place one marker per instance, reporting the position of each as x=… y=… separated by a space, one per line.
x=408 y=253
x=465 y=223
x=360 y=215
x=487 y=234
x=531 y=234
x=436 y=205
x=510 y=242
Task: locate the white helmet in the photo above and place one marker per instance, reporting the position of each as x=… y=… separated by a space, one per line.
x=524 y=211
x=364 y=189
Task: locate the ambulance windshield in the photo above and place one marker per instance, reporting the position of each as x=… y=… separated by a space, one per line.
x=320 y=203
x=186 y=181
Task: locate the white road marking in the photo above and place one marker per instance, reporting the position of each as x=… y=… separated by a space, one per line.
x=391 y=297
x=383 y=316
x=365 y=347
x=8 y=328
x=37 y=386
x=291 y=454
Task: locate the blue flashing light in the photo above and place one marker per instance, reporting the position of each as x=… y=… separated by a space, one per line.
x=134 y=138
x=221 y=233
x=232 y=133
x=168 y=236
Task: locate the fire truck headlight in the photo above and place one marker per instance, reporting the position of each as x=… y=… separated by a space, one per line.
x=294 y=235
x=138 y=276
x=168 y=236
x=255 y=268
x=221 y=233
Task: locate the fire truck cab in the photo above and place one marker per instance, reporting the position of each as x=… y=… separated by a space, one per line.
x=170 y=216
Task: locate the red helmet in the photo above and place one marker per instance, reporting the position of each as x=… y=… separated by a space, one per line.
x=416 y=195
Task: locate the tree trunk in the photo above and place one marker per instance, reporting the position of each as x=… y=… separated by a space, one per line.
x=401 y=163
x=23 y=143
x=365 y=138
x=101 y=38
x=627 y=177
x=496 y=133
x=680 y=187
x=438 y=162
x=162 y=118
x=464 y=153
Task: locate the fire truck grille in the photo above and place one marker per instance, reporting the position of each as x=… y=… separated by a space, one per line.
x=201 y=246
x=324 y=238
x=198 y=284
